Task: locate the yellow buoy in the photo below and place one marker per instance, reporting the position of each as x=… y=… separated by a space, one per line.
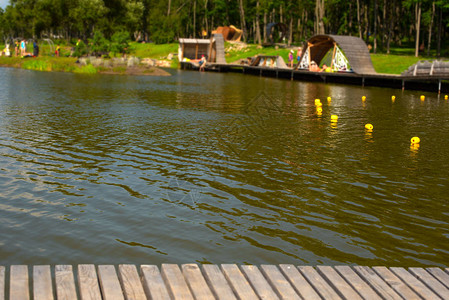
x=414 y=147
x=329 y=99
x=318 y=104
x=334 y=118
x=445 y=97
x=363 y=98
x=393 y=98
x=319 y=110
x=369 y=127
x=317 y=101
x=415 y=140
x=423 y=97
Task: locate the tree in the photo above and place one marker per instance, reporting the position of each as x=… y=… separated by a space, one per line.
x=120 y=42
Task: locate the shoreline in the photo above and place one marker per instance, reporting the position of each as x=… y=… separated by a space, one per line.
x=113 y=66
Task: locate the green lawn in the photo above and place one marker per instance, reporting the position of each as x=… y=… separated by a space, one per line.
x=153 y=50
x=393 y=64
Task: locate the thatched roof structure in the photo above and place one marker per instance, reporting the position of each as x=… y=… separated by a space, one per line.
x=354 y=49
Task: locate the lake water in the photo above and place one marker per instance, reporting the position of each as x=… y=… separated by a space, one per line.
x=219 y=168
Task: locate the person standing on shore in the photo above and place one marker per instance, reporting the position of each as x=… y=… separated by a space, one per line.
x=298 y=54
x=290 y=59
x=17 y=45
x=202 y=63
x=35 y=49
x=22 y=48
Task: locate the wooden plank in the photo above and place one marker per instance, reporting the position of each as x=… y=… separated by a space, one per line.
x=401 y=287
x=18 y=283
x=131 y=284
x=42 y=285
x=323 y=288
x=196 y=282
x=440 y=275
x=217 y=282
x=279 y=283
x=175 y=282
x=302 y=287
x=431 y=282
x=414 y=283
x=65 y=282
x=153 y=283
x=238 y=282
x=258 y=282
x=342 y=287
x=357 y=283
x=109 y=283
x=88 y=283
x=377 y=283
x=2 y=283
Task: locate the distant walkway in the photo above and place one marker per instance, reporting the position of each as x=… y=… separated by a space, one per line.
x=227 y=281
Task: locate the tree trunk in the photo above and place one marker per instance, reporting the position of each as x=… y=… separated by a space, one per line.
x=265 y=19
x=358 y=19
x=258 y=38
x=366 y=22
x=194 y=19
x=349 y=29
x=384 y=25
x=390 y=28
x=417 y=26
x=169 y=7
x=440 y=26
x=319 y=15
x=375 y=27
x=242 y=19
x=430 y=28
x=290 y=31
x=205 y=17
x=280 y=14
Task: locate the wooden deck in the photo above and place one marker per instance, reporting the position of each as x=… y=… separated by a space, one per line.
x=422 y=83
x=227 y=281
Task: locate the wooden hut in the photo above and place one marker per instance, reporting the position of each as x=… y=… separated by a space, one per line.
x=343 y=53
x=193 y=49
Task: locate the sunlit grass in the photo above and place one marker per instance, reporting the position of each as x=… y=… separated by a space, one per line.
x=393 y=64
x=153 y=50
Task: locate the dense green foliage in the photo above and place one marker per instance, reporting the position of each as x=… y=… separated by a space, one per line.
x=422 y=23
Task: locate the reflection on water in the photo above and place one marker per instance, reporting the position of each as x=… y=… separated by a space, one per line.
x=219 y=168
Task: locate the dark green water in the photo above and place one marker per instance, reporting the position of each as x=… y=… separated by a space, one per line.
x=204 y=167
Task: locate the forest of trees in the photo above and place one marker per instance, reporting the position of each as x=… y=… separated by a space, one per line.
x=379 y=22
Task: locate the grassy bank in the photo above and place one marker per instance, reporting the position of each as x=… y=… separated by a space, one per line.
x=47 y=63
x=389 y=64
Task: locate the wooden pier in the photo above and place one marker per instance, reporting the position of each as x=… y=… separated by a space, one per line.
x=226 y=281
x=421 y=83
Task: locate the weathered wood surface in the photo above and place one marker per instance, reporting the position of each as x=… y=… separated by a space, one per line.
x=18 y=283
x=65 y=282
x=227 y=281
x=2 y=283
x=42 y=286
